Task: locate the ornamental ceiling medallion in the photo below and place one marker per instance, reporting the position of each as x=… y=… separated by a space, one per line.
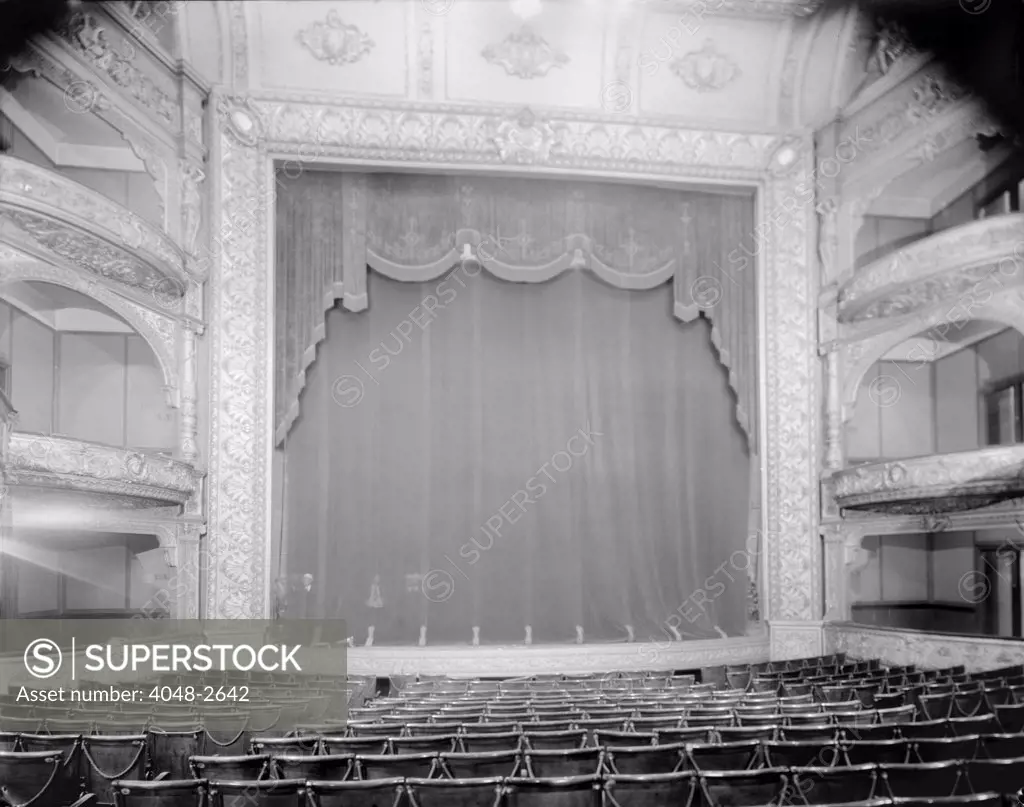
x=335 y=41
x=706 y=70
x=525 y=54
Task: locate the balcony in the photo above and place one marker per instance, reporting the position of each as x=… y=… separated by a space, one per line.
x=974 y=259
x=61 y=222
x=943 y=483
x=64 y=473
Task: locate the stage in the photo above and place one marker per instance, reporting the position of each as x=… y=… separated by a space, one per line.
x=520 y=660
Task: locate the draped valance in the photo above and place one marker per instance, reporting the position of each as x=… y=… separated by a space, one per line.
x=333 y=227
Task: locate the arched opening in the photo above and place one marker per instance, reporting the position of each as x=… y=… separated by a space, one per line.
x=73 y=367
x=953 y=387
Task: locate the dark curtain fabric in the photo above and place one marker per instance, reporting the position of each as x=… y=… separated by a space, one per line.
x=481 y=460
x=332 y=228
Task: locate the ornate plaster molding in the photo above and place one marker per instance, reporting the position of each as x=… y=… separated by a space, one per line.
x=525 y=54
x=335 y=41
x=133 y=479
x=158 y=329
x=94 y=38
x=250 y=131
x=938 y=268
x=706 y=70
x=521 y=660
x=926 y=650
x=45 y=213
x=933 y=484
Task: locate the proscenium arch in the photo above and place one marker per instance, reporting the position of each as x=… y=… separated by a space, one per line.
x=45 y=273
x=877 y=346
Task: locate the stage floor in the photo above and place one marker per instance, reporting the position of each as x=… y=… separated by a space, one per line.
x=520 y=660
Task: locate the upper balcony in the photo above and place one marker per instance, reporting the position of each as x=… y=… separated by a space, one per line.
x=48 y=216
x=970 y=259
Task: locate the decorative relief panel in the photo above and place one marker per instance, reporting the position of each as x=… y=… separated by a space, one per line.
x=928 y=651
x=334 y=41
x=706 y=69
x=377 y=134
x=525 y=54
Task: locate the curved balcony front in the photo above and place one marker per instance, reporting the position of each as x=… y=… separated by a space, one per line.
x=54 y=472
x=973 y=259
x=941 y=483
x=60 y=221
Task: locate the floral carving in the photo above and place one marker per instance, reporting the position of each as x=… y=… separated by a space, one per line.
x=525 y=54
x=335 y=41
x=706 y=69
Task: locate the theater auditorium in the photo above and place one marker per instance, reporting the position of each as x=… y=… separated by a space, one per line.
x=603 y=403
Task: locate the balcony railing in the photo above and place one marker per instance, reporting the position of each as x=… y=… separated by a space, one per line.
x=39 y=466
x=975 y=259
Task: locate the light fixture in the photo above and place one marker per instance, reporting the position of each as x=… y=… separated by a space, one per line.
x=525 y=9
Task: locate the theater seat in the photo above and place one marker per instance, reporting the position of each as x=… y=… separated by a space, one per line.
x=390 y=766
x=1004 y=776
x=374 y=793
x=324 y=767
x=481 y=792
x=650 y=790
x=725 y=756
x=924 y=779
x=575 y=762
x=768 y=786
x=554 y=740
x=572 y=791
x=860 y=752
x=480 y=766
x=645 y=759
x=835 y=785
x=265 y=793
x=240 y=768
x=802 y=755
x=108 y=758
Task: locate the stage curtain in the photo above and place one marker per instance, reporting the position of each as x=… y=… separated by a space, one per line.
x=561 y=455
x=333 y=228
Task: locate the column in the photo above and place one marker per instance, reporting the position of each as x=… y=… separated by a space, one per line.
x=188 y=417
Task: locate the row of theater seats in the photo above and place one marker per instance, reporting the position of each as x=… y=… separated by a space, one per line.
x=862 y=785
x=768 y=731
